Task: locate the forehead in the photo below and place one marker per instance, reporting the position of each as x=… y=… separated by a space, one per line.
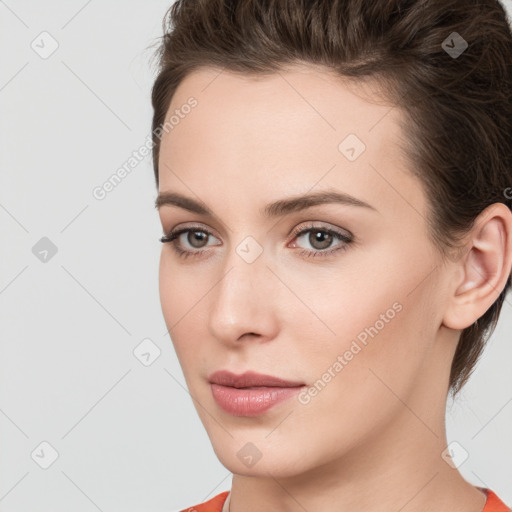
x=304 y=100
x=288 y=130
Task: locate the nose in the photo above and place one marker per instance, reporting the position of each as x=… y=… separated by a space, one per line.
x=243 y=302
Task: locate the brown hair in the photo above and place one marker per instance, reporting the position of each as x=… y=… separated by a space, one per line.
x=457 y=108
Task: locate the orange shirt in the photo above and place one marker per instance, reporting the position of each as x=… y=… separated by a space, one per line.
x=493 y=504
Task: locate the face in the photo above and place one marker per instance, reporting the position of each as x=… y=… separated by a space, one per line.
x=341 y=297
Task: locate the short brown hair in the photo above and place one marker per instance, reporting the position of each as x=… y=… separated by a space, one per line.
x=457 y=108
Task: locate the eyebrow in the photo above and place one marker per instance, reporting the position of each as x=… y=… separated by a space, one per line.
x=276 y=209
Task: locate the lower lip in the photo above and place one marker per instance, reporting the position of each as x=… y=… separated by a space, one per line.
x=250 y=402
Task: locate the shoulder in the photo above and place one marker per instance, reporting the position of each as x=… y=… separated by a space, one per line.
x=213 y=505
x=494 y=504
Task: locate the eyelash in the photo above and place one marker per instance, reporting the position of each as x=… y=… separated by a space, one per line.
x=173 y=235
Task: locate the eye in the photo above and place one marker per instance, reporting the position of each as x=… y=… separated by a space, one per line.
x=321 y=239
x=195 y=236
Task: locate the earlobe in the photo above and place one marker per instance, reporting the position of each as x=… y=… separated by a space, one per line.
x=485 y=268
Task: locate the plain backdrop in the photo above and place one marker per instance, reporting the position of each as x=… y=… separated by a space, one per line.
x=86 y=422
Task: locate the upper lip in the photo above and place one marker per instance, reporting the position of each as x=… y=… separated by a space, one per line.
x=250 y=379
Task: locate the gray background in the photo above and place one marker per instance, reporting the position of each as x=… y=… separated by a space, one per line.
x=126 y=434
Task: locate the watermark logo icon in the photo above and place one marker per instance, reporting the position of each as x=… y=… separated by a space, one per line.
x=44 y=250
x=44 y=455
x=249 y=454
x=249 y=249
x=454 y=45
x=147 y=352
x=454 y=454
x=351 y=147
x=45 y=45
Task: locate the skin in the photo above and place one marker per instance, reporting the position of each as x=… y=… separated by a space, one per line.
x=372 y=438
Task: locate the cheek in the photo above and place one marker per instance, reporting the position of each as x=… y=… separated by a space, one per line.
x=184 y=302
x=180 y=291
x=168 y=292
x=168 y=289
x=355 y=377
x=376 y=319
x=177 y=299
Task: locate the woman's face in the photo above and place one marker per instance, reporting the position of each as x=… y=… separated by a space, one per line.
x=358 y=320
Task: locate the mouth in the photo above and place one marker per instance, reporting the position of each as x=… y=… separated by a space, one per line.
x=250 y=393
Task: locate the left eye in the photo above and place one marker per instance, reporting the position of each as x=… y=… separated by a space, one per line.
x=327 y=235
x=322 y=238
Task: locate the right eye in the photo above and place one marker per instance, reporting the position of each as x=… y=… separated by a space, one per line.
x=195 y=235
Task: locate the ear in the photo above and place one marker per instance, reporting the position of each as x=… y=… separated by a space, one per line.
x=481 y=274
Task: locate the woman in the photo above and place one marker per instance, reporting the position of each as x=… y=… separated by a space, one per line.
x=334 y=188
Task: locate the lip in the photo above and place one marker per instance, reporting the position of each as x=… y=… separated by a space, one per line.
x=251 y=393
x=250 y=379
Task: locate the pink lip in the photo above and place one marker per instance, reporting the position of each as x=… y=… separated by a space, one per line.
x=228 y=393
x=250 y=379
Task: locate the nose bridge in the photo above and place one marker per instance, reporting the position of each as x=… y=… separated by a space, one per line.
x=246 y=261
x=244 y=274
x=242 y=297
